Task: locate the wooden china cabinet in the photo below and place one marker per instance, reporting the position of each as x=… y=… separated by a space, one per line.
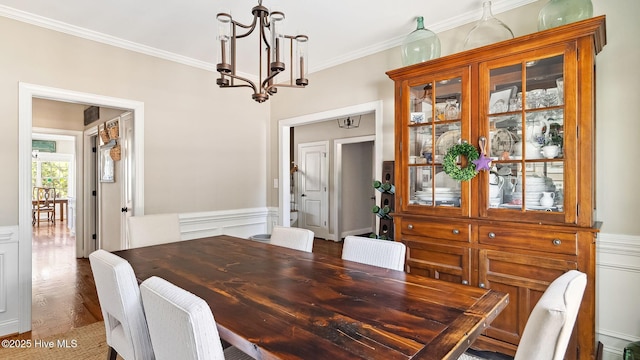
x=531 y=218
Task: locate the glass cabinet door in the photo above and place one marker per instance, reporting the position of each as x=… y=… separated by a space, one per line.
x=435 y=123
x=525 y=118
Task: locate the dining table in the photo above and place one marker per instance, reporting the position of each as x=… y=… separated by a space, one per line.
x=273 y=302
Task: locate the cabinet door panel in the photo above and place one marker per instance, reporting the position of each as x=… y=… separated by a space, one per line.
x=448 y=263
x=436 y=116
x=524 y=278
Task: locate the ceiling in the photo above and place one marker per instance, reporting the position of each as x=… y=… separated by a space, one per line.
x=184 y=31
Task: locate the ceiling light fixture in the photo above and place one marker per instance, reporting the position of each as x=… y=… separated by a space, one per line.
x=349 y=123
x=271 y=50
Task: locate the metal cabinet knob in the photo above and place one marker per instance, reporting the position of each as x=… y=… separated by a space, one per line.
x=410 y=226
x=456 y=231
x=492 y=235
x=482 y=285
x=465 y=282
x=557 y=242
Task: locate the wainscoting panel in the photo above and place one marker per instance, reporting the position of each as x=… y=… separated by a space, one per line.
x=618 y=291
x=9 y=281
x=242 y=223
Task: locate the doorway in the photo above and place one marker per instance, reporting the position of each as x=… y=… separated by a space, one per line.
x=284 y=142
x=27 y=92
x=354 y=201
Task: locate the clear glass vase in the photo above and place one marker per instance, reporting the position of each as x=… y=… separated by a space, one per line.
x=420 y=45
x=487 y=31
x=562 y=12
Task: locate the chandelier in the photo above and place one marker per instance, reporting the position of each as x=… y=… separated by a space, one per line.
x=349 y=123
x=272 y=44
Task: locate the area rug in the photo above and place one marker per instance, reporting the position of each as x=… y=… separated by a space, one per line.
x=467 y=356
x=86 y=343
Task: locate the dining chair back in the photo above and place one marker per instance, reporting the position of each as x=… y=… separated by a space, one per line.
x=181 y=324
x=382 y=253
x=549 y=327
x=119 y=296
x=293 y=238
x=45 y=202
x=147 y=230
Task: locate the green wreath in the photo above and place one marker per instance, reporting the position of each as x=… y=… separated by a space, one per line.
x=452 y=169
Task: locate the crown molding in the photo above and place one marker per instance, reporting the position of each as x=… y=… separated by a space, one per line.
x=448 y=24
x=41 y=21
x=84 y=33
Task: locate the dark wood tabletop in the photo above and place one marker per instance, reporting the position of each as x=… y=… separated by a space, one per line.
x=277 y=303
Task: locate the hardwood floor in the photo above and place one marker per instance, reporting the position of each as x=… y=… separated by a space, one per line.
x=64 y=293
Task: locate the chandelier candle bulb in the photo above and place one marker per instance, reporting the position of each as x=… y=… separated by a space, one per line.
x=277 y=48
x=224 y=36
x=301 y=54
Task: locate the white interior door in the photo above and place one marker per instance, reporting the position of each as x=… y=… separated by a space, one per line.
x=314 y=181
x=117 y=192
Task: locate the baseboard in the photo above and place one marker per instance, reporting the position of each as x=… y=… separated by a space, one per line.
x=356 y=232
x=9 y=327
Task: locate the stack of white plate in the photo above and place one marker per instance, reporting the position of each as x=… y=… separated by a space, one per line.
x=535 y=186
x=442 y=194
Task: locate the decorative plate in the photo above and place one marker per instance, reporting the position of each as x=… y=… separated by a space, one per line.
x=503 y=140
x=447 y=140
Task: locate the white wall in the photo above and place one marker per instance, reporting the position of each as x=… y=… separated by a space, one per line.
x=199 y=139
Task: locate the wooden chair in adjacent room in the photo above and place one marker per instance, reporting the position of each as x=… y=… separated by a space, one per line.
x=293 y=238
x=181 y=324
x=382 y=253
x=147 y=230
x=44 y=203
x=121 y=304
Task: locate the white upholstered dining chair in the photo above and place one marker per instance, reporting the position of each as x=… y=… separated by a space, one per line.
x=182 y=325
x=548 y=330
x=147 y=230
x=293 y=238
x=382 y=253
x=121 y=305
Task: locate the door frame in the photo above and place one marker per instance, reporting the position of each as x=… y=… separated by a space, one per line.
x=337 y=176
x=26 y=93
x=284 y=143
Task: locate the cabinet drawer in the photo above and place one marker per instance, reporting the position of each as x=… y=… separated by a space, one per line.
x=456 y=231
x=542 y=239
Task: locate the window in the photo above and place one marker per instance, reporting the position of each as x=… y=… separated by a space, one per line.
x=53 y=170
